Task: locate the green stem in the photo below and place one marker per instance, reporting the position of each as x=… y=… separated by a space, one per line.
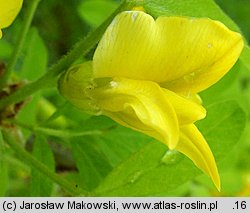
x=27 y=90
x=80 y=49
x=20 y=41
x=4 y=177
x=66 y=134
x=33 y=162
x=58 y=133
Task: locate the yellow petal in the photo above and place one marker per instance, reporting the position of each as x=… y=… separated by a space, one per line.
x=8 y=12
x=138 y=8
x=193 y=145
x=128 y=47
x=181 y=53
x=187 y=110
x=140 y=105
x=202 y=50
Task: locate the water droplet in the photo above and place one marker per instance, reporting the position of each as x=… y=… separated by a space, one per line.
x=188 y=94
x=210 y=45
x=113 y=84
x=171 y=157
x=192 y=74
x=189 y=78
x=134 y=16
x=134 y=177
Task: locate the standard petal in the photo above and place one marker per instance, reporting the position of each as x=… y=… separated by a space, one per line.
x=128 y=47
x=140 y=105
x=181 y=53
x=8 y=11
x=193 y=145
x=199 y=52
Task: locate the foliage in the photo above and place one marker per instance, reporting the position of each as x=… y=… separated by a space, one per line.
x=49 y=148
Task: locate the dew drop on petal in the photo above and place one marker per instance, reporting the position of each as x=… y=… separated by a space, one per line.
x=188 y=94
x=192 y=74
x=189 y=78
x=134 y=16
x=209 y=45
x=113 y=84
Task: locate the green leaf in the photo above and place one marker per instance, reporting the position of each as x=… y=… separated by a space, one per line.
x=36 y=57
x=45 y=109
x=92 y=164
x=239 y=12
x=28 y=112
x=191 y=8
x=149 y=172
x=120 y=143
x=223 y=127
x=226 y=88
x=33 y=66
x=245 y=57
x=4 y=177
x=95 y=11
x=5 y=49
x=41 y=185
x=244 y=153
x=96 y=156
x=234 y=85
x=144 y=173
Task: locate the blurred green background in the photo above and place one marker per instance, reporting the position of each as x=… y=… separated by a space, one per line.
x=57 y=26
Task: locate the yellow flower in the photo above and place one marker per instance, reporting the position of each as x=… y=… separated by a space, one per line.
x=8 y=12
x=146 y=74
